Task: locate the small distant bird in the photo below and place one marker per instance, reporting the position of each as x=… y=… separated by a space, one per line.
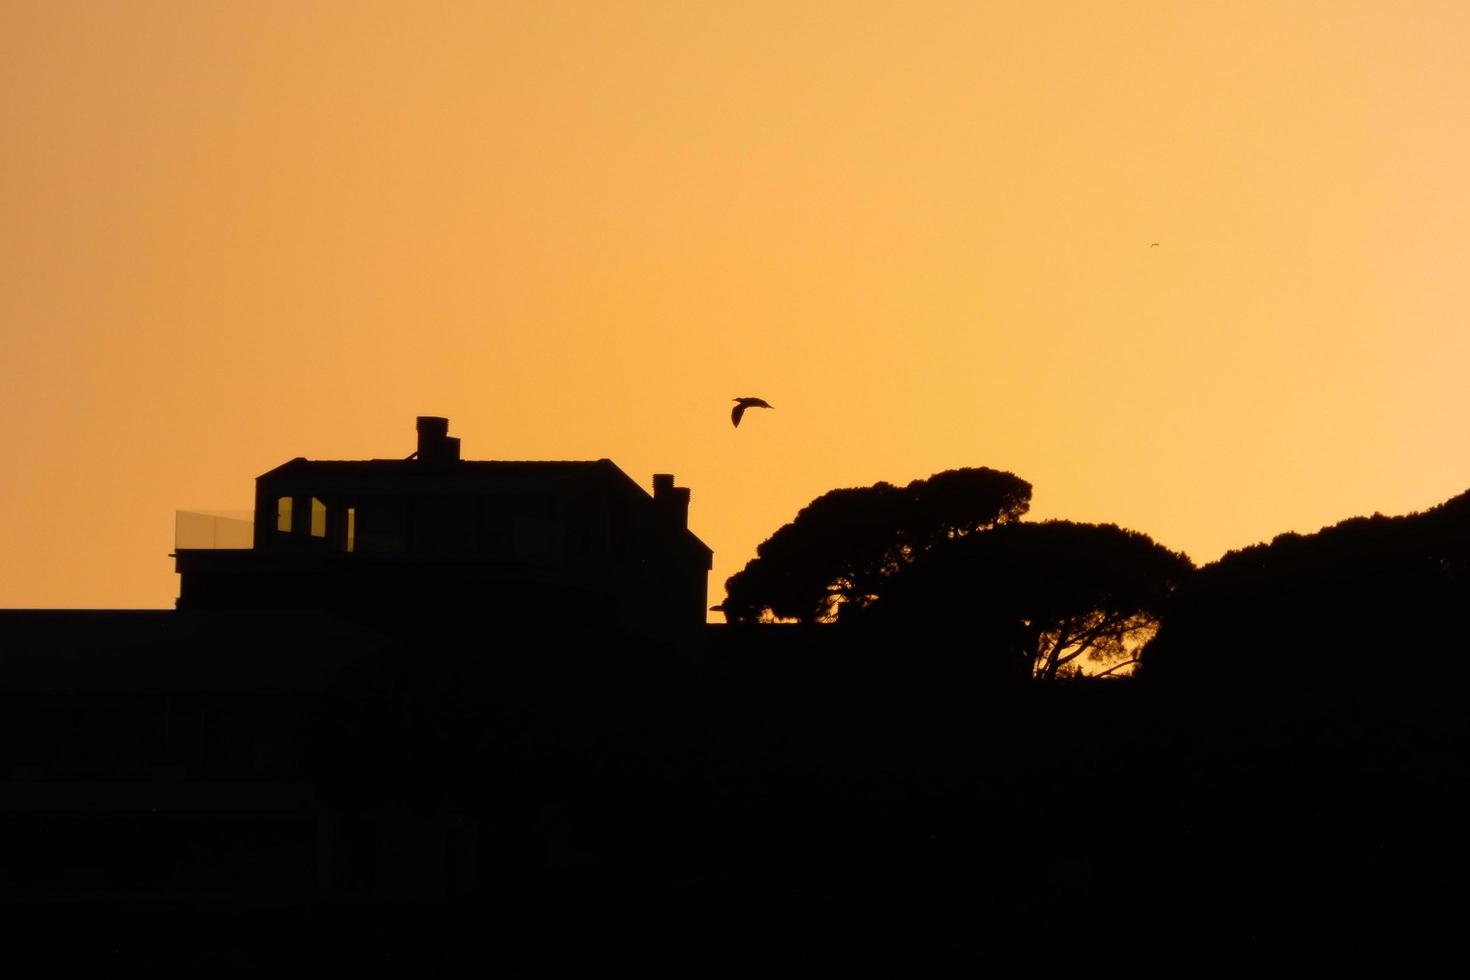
x=1154 y=245
x=741 y=404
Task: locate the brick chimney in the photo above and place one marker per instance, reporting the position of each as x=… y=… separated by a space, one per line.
x=671 y=500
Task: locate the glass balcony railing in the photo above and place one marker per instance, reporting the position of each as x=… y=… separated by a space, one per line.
x=214 y=529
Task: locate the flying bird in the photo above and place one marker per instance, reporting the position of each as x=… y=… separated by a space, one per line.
x=741 y=404
x=1154 y=245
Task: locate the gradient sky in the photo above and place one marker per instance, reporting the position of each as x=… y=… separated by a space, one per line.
x=231 y=234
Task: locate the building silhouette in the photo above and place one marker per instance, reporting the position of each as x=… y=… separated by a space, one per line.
x=570 y=541
x=189 y=755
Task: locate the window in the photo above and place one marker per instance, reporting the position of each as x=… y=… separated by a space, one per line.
x=351 y=528
x=318 y=518
x=283 y=514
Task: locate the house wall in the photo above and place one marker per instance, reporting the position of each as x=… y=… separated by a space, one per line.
x=595 y=540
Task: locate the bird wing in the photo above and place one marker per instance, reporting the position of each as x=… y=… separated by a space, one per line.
x=736 y=412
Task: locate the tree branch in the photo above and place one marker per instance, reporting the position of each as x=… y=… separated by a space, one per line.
x=1127 y=663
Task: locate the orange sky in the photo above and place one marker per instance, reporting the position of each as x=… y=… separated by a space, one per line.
x=235 y=233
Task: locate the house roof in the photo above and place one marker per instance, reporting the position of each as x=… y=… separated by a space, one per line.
x=451 y=475
x=411 y=468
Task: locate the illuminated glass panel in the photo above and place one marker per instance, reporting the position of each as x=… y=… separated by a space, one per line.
x=351 y=528
x=214 y=529
x=318 y=518
x=283 y=514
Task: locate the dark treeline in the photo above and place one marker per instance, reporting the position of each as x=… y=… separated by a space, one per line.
x=914 y=770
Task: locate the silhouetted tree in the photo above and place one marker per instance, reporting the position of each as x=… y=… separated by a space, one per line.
x=838 y=552
x=1046 y=595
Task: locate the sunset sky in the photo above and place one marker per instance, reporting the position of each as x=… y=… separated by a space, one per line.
x=231 y=234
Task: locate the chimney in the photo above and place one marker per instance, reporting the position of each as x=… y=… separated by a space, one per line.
x=436 y=445
x=671 y=500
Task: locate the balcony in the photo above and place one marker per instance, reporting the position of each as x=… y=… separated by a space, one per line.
x=213 y=530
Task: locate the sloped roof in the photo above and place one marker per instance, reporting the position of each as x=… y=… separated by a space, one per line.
x=412 y=467
x=466 y=473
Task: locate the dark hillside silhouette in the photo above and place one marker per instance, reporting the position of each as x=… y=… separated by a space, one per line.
x=1367 y=602
x=1312 y=693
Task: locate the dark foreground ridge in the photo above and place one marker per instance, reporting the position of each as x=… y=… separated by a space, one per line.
x=228 y=780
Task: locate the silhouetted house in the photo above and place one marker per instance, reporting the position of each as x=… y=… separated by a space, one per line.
x=576 y=542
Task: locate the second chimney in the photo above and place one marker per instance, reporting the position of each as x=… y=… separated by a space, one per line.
x=436 y=445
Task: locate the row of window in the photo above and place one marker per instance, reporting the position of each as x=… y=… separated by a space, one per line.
x=284 y=518
x=527 y=527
